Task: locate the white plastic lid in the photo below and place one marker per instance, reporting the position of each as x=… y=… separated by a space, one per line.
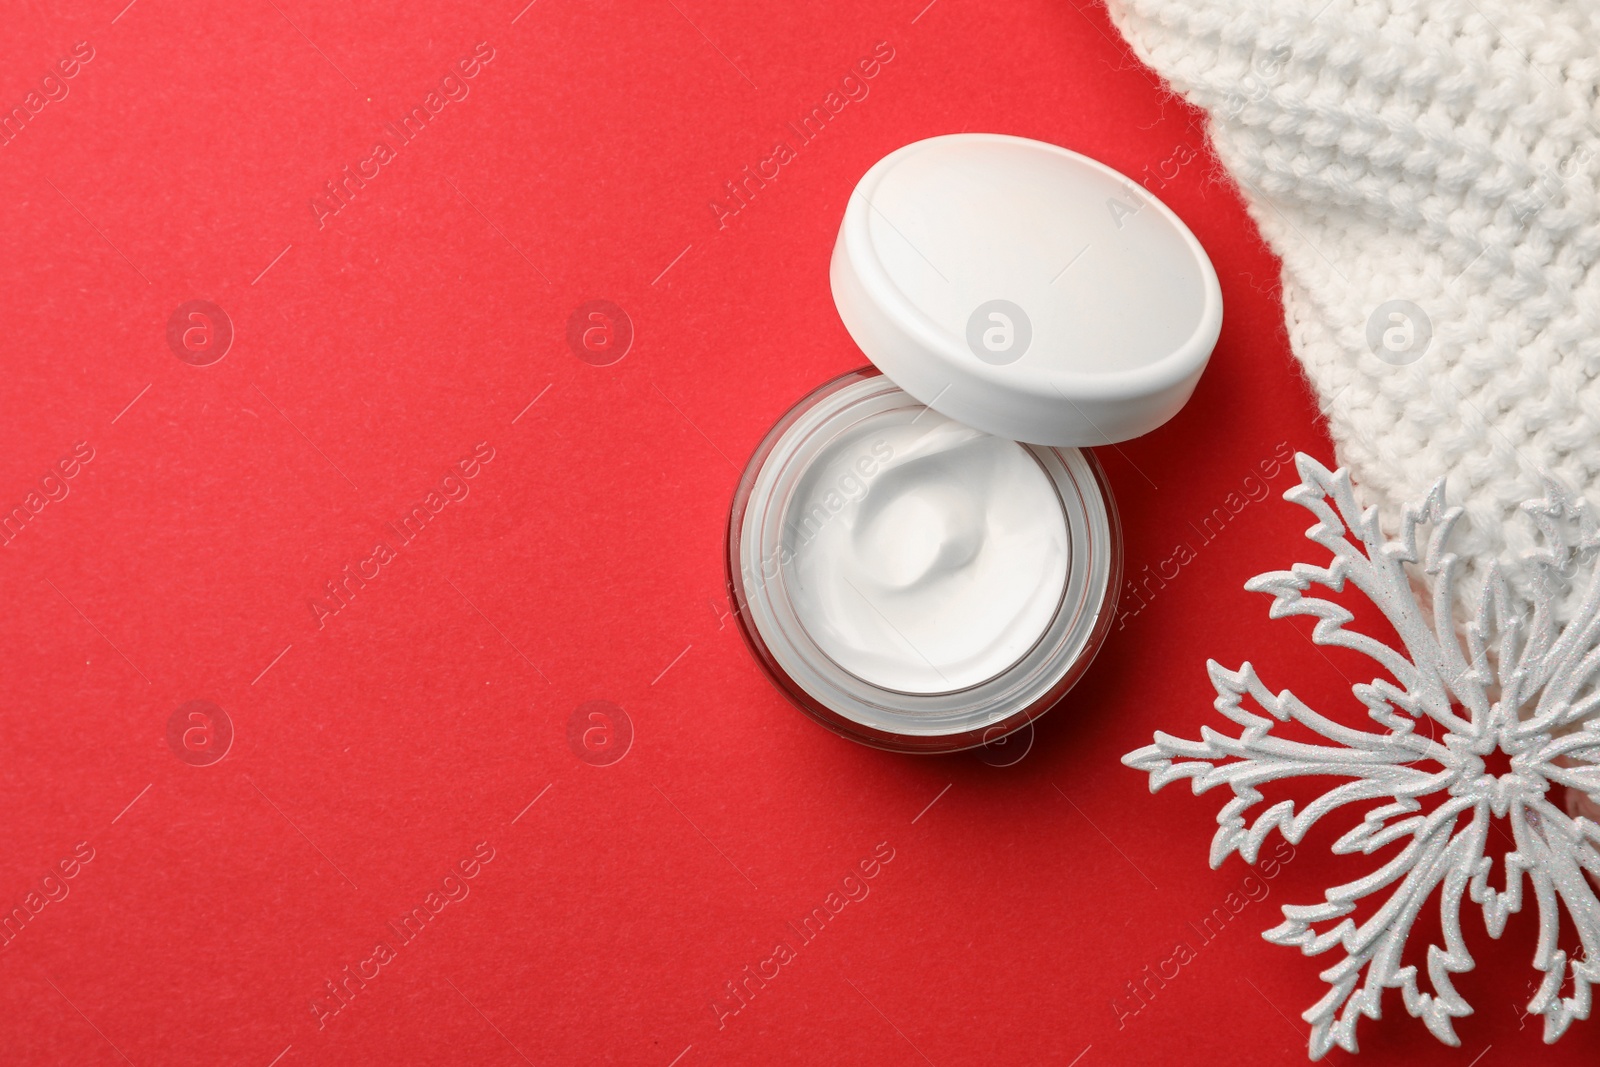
x=1025 y=290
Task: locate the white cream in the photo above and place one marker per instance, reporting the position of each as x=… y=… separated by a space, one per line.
x=927 y=557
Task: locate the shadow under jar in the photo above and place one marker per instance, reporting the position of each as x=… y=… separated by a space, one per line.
x=922 y=555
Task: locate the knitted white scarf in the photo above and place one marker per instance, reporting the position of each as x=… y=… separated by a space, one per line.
x=1427 y=172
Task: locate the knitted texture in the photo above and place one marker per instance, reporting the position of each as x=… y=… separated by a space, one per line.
x=1426 y=171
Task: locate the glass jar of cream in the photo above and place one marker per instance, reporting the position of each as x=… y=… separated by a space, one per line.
x=923 y=556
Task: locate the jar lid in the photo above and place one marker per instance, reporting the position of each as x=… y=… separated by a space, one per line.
x=1025 y=290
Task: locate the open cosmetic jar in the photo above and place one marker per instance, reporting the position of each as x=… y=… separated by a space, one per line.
x=923 y=555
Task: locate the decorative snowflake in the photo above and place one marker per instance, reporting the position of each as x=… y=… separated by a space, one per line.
x=1513 y=678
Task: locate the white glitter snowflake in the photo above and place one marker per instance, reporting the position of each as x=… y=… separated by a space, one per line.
x=1514 y=678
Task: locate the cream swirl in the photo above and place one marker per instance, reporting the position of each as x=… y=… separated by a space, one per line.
x=927 y=556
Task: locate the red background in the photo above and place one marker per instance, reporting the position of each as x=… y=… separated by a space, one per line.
x=375 y=752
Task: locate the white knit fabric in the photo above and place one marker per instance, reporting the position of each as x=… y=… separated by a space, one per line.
x=1443 y=153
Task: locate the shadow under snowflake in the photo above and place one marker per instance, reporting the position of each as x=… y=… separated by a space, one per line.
x=1514 y=679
